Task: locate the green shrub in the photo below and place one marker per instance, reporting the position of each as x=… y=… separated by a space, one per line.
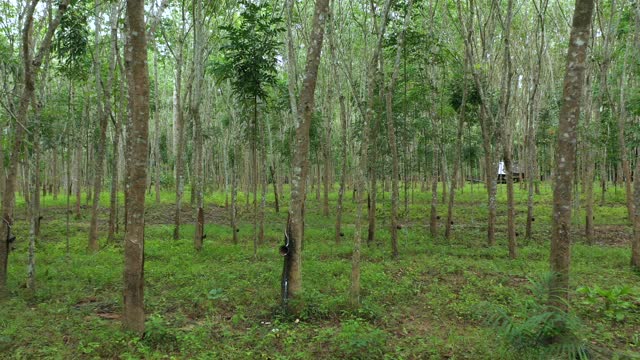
x=614 y=303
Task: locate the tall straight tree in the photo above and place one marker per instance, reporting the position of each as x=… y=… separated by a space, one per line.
x=137 y=137
x=635 y=243
x=391 y=128
x=565 y=154
x=295 y=225
x=103 y=92
x=478 y=57
x=31 y=65
x=196 y=91
x=507 y=144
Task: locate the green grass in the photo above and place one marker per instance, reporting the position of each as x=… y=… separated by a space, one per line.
x=221 y=303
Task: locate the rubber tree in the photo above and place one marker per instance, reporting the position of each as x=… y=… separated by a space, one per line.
x=137 y=147
x=635 y=243
x=391 y=129
x=103 y=91
x=292 y=272
x=560 y=257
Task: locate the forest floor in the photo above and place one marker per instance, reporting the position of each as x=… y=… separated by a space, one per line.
x=455 y=299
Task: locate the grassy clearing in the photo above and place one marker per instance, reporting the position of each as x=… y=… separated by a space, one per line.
x=434 y=302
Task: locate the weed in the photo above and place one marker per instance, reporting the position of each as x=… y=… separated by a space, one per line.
x=614 y=303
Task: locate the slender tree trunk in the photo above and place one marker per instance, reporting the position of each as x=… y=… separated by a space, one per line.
x=263 y=182
x=532 y=111
x=433 y=218
x=635 y=243
x=33 y=214
x=254 y=177
x=507 y=137
x=373 y=187
x=3 y=174
x=276 y=195
x=292 y=274
x=156 y=128
x=234 y=196
x=456 y=166
x=179 y=158
x=198 y=184
x=35 y=173
x=55 y=181
x=343 y=174
x=104 y=112
x=391 y=129
x=137 y=137
x=486 y=120
x=327 y=132
x=560 y=257
x=622 y=118
x=115 y=174
x=78 y=178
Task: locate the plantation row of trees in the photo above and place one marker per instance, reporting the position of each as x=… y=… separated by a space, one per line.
x=250 y=96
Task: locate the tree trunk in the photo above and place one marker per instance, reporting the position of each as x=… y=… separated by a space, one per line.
x=506 y=125
x=391 y=129
x=55 y=182
x=198 y=184
x=560 y=257
x=234 y=196
x=33 y=220
x=104 y=111
x=77 y=178
x=137 y=137
x=115 y=60
x=276 y=196
x=343 y=174
x=456 y=165
x=635 y=243
x=179 y=135
x=532 y=111
x=292 y=274
x=263 y=182
x=156 y=128
x=626 y=168
x=254 y=177
x=433 y=218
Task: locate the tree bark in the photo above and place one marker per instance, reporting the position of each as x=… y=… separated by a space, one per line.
x=137 y=138
x=635 y=243
x=293 y=276
x=343 y=173
x=198 y=184
x=560 y=257
x=179 y=131
x=115 y=171
x=507 y=137
x=391 y=129
x=456 y=166
x=433 y=214
x=104 y=111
